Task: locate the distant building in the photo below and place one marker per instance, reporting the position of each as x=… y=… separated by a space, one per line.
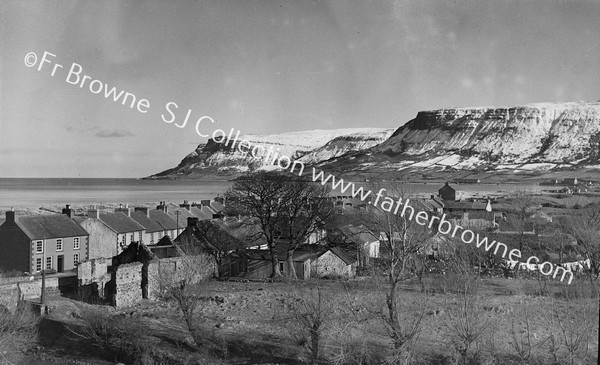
x=447 y=192
x=333 y=262
x=467 y=181
x=110 y=233
x=157 y=223
x=50 y=241
x=359 y=240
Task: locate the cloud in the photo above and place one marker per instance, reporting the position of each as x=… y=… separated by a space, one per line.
x=113 y=133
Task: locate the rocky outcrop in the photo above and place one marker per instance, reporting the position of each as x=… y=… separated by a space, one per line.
x=537 y=137
x=348 y=143
x=213 y=157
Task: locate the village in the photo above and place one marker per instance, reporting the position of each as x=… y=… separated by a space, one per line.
x=66 y=246
x=128 y=257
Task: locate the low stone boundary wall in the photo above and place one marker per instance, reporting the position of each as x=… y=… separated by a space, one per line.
x=125 y=286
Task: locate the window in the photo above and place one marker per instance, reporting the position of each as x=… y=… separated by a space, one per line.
x=59 y=246
x=131 y=237
x=76 y=243
x=48 y=262
x=39 y=247
x=75 y=259
x=281 y=266
x=38 y=264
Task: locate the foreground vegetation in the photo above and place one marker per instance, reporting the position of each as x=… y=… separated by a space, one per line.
x=479 y=321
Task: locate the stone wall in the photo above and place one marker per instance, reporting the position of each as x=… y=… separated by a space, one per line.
x=128 y=281
x=32 y=289
x=191 y=269
x=161 y=273
x=329 y=264
x=93 y=277
x=9 y=296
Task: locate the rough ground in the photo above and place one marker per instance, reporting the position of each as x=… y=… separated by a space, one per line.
x=251 y=322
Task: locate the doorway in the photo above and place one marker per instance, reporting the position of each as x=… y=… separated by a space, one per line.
x=60 y=263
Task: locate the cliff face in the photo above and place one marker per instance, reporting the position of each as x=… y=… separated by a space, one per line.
x=536 y=136
x=370 y=137
x=213 y=157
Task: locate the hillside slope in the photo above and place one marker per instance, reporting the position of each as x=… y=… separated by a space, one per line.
x=216 y=158
x=536 y=137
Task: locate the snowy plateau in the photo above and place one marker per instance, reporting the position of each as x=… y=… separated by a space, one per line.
x=532 y=138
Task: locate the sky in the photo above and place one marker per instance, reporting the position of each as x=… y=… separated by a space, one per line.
x=266 y=67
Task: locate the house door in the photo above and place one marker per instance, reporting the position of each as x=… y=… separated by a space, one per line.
x=60 y=263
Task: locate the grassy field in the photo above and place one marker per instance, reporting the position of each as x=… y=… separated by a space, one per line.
x=263 y=323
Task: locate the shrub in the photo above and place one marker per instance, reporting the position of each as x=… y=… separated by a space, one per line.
x=18 y=331
x=119 y=340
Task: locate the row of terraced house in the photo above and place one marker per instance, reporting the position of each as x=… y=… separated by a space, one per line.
x=58 y=242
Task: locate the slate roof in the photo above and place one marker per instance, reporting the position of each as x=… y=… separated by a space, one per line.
x=150 y=224
x=50 y=226
x=184 y=214
x=343 y=254
x=218 y=207
x=465 y=205
x=165 y=221
x=202 y=215
x=120 y=223
x=299 y=256
x=359 y=235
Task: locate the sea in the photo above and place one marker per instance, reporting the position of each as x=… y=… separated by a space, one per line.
x=52 y=192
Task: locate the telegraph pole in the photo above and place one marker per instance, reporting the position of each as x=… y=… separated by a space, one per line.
x=43 y=271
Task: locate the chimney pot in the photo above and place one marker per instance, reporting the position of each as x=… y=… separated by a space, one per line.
x=10 y=216
x=192 y=221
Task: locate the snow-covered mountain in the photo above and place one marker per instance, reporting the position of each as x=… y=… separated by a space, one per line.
x=366 y=138
x=213 y=157
x=532 y=137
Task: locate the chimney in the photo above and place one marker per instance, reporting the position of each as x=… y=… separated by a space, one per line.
x=10 y=216
x=93 y=213
x=163 y=206
x=192 y=221
x=186 y=205
x=145 y=210
x=68 y=211
x=205 y=202
x=126 y=210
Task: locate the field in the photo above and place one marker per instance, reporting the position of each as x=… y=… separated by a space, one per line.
x=261 y=322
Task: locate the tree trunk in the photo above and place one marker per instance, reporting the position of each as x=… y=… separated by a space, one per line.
x=393 y=316
x=314 y=337
x=290 y=263
x=274 y=263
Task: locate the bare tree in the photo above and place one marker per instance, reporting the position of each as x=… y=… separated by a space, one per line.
x=403 y=243
x=258 y=197
x=305 y=212
x=312 y=313
x=179 y=283
x=586 y=229
x=286 y=208
x=212 y=237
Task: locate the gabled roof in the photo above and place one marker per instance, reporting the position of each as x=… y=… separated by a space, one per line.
x=150 y=224
x=465 y=205
x=120 y=223
x=343 y=254
x=182 y=216
x=47 y=226
x=165 y=221
x=359 y=235
x=218 y=207
x=202 y=215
